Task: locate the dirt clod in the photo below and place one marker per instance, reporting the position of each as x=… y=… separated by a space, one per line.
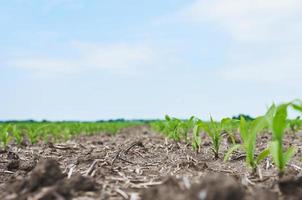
x=169 y=190
x=46 y=173
x=217 y=186
x=47 y=182
x=79 y=183
x=291 y=186
x=261 y=194
x=13 y=165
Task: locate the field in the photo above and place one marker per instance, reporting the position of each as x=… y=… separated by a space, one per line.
x=235 y=158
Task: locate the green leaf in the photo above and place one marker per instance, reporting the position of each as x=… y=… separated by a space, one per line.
x=230 y=152
x=206 y=128
x=191 y=119
x=17 y=135
x=277 y=156
x=291 y=151
x=212 y=128
x=270 y=115
x=258 y=125
x=279 y=121
x=196 y=136
x=243 y=129
x=297 y=104
x=271 y=110
x=297 y=107
x=262 y=155
x=225 y=121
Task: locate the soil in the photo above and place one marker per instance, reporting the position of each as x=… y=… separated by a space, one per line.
x=140 y=164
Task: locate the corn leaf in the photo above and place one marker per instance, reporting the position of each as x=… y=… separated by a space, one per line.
x=279 y=122
x=297 y=107
x=270 y=115
x=230 y=152
x=225 y=121
x=258 y=124
x=291 y=151
x=243 y=129
x=167 y=118
x=262 y=155
x=196 y=136
x=277 y=155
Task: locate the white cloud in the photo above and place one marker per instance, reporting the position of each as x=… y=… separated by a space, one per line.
x=247 y=20
x=81 y=57
x=265 y=37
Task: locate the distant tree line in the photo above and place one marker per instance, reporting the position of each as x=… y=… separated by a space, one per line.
x=246 y=117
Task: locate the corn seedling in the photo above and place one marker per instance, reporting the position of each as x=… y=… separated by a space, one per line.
x=295 y=124
x=17 y=135
x=33 y=133
x=196 y=139
x=5 y=137
x=184 y=128
x=177 y=129
x=66 y=134
x=248 y=136
x=230 y=128
x=277 y=116
x=214 y=130
x=171 y=128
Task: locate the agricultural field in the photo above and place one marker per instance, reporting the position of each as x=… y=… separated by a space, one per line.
x=234 y=158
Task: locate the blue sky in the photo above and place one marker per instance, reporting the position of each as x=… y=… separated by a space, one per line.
x=90 y=60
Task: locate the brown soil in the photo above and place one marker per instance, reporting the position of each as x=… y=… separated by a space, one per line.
x=139 y=164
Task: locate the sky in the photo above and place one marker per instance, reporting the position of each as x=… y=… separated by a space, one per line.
x=92 y=60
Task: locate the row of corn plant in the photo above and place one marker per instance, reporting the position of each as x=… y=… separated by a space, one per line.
x=177 y=130
x=20 y=132
x=274 y=121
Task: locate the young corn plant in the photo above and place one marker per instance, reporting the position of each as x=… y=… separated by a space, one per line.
x=17 y=135
x=66 y=134
x=5 y=137
x=248 y=136
x=214 y=130
x=295 y=125
x=171 y=128
x=277 y=117
x=177 y=129
x=33 y=133
x=184 y=127
x=230 y=128
x=196 y=139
